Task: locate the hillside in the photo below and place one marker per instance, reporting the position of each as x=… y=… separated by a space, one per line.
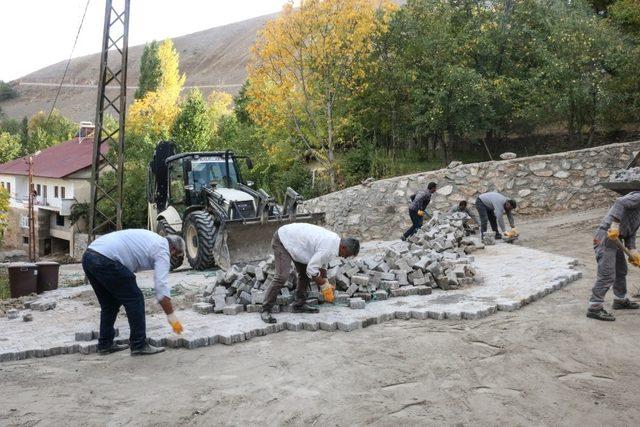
x=212 y=59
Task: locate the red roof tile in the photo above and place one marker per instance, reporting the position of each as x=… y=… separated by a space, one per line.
x=56 y=162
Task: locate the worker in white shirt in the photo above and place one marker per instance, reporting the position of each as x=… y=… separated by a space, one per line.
x=110 y=263
x=310 y=248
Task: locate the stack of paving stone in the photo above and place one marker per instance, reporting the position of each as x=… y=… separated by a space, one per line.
x=435 y=257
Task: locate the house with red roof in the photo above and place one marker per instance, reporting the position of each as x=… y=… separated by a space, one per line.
x=61 y=178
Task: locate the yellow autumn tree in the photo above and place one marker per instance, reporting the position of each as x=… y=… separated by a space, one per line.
x=219 y=107
x=154 y=114
x=308 y=63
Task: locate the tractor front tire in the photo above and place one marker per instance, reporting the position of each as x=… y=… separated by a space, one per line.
x=164 y=229
x=199 y=232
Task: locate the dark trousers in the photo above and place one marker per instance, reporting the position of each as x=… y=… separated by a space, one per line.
x=283 y=262
x=416 y=223
x=486 y=214
x=115 y=286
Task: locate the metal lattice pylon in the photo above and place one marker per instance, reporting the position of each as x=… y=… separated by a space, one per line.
x=106 y=194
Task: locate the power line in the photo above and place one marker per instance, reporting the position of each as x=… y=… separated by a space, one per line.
x=66 y=68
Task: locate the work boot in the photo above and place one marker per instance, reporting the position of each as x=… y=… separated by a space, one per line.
x=146 y=350
x=600 y=314
x=625 y=304
x=114 y=348
x=498 y=236
x=305 y=308
x=267 y=317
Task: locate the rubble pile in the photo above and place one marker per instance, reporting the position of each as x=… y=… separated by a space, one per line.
x=436 y=256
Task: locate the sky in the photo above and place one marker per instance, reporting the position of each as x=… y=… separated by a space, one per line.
x=37 y=33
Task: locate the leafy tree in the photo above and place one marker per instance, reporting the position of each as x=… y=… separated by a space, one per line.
x=218 y=109
x=10 y=125
x=585 y=56
x=150 y=71
x=432 y=72
x=192 y=129
x=626 y=13
x=134 y=213
x=309 y=62
x=44 y=130
x=154 y=114
x=7 y=91
x=10 y=147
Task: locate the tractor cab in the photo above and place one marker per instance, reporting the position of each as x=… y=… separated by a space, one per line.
x=203 y=197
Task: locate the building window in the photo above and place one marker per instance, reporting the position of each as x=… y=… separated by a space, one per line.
x=39 y=190
x=55 y=191
x=59 y=220
x=44 y=191
x=24 y=221
x=62 y=195
x=9 y=187
x=25 y=240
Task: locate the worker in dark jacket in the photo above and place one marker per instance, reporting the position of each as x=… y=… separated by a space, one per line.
x=463 y=208
x=418 y=208
x=621 y=223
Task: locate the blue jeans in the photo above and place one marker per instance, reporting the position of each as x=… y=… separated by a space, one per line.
x=115 y=286
x=416 y=223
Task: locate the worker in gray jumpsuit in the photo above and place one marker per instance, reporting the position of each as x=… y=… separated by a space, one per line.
x=621 y=222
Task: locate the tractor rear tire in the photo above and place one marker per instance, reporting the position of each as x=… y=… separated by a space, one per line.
x=199 y=232
x=164 y=229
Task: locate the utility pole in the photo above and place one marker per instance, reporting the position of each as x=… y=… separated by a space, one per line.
x=106 y=198
x=32 y=227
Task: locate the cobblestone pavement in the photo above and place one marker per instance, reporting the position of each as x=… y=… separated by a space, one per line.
x=511 y=276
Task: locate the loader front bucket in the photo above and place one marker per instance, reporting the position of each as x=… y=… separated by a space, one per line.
x=248 y=241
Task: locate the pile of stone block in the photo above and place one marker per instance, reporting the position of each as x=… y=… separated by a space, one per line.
x=436 y=256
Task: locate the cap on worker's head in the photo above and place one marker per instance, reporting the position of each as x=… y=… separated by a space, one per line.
x=351 y=246
x=512 y=203
x=432 y=185
x=462 y=203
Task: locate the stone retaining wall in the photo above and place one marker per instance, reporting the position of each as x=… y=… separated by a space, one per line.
x=539 y=184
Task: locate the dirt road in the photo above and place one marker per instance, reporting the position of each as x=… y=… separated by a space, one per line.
x=546 y=364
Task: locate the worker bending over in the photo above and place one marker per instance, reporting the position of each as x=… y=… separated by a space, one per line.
x=418 y=208
x=310 y=248
x=110 y=263
x=491 y=207
x=462 y=207
x=621 y=222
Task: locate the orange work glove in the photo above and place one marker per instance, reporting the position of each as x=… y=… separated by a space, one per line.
x=175 y=323
x=327 y=292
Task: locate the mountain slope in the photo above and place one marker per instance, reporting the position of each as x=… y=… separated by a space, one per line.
x=212 y=59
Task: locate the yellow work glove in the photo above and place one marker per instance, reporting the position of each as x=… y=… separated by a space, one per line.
x=511 y=233
x=635 y=258
x=420 y=213
x=327 y=292
x=175 y=323
x=614 y=231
